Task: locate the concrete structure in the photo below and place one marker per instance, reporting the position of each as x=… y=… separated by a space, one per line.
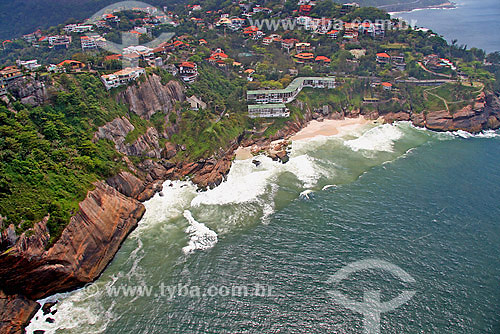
x=10 y=73
x=59 y=42
x=3 y=87
x=188 y=71
x=121 y=77
x=268 y=110
x=88 y=43
x=77 y=28
x=196 y=103
x=30 y=65
x=289 y=93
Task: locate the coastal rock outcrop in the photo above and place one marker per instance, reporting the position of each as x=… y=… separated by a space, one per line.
x=15 y=311
x=83 y=250
x=151 y=96
x=127 y=183
x=481 y=114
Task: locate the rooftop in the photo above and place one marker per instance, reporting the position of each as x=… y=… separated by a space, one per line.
x=265 y=106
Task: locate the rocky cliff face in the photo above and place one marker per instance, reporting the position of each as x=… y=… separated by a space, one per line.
x=82 y=252
x=15 y=311
x=117 y=130
x=151 y=96
x=30 y=91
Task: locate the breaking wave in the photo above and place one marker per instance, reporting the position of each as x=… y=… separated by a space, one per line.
x=201 y=237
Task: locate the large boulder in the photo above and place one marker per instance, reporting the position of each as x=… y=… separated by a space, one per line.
x=151 y=96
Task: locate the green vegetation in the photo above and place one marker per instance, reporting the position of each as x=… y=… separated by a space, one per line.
x=48 y=159
x=203 y=132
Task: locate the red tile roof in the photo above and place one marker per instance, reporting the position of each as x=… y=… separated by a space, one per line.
x=323 y=58
x=113 y=57
x=188 y=64
x=383 y=55
x=305 y=55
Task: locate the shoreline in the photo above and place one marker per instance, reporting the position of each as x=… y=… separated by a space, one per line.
x=212 y=172
x=444 y=5
x=329 y=127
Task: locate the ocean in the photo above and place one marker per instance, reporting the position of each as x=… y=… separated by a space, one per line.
x=371 y=214
x=474 y=23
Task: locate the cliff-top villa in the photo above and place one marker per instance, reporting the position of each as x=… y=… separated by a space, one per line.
x=278 y=97
x=121 y=77
x=268 y=110
x=289 y=93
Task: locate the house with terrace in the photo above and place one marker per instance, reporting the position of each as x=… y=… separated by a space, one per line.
x=268 y=110
x=121 y=77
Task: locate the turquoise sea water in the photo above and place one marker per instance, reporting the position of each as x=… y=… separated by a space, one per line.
x=474 y=23
x=426 y=202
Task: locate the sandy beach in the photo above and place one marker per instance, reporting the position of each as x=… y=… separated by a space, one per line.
x=329 y=127
x=243 y=153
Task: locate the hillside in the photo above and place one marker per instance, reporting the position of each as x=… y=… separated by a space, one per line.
x=19 y=17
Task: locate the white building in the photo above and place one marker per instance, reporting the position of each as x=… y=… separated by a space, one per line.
x=122 y=77
x=268 y=110
x=30 y=65
x=289 y=93
x=78 y=28
x=88 y=43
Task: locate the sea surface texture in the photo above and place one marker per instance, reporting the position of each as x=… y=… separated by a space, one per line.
x=428 y=203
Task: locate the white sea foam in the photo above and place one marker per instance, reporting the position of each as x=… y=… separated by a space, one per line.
x=380 y=138
x=328 y=186
x=305 y=194
x=160 y=209
x=201 y=237
x=247 y=182
x=76 y=311
x=483 y=134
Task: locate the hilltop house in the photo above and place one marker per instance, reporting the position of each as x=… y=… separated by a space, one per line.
x=59 y=41
x=383 y=58
x=88 y=43
x=304 y=57
x=71 y=64
x=121 y=77
x=348 y=7
x=77 y=28
x=188 y=71
x=3 y=87
x=10 y=73
x=288 y=43
x=333 y=34
x=196 y=103
x=398 y=62
x=301 y=47
x=217 y=56
x=30 y=65
x=323 y=60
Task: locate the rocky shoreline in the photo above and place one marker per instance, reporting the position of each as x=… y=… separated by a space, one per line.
x=31 y=269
